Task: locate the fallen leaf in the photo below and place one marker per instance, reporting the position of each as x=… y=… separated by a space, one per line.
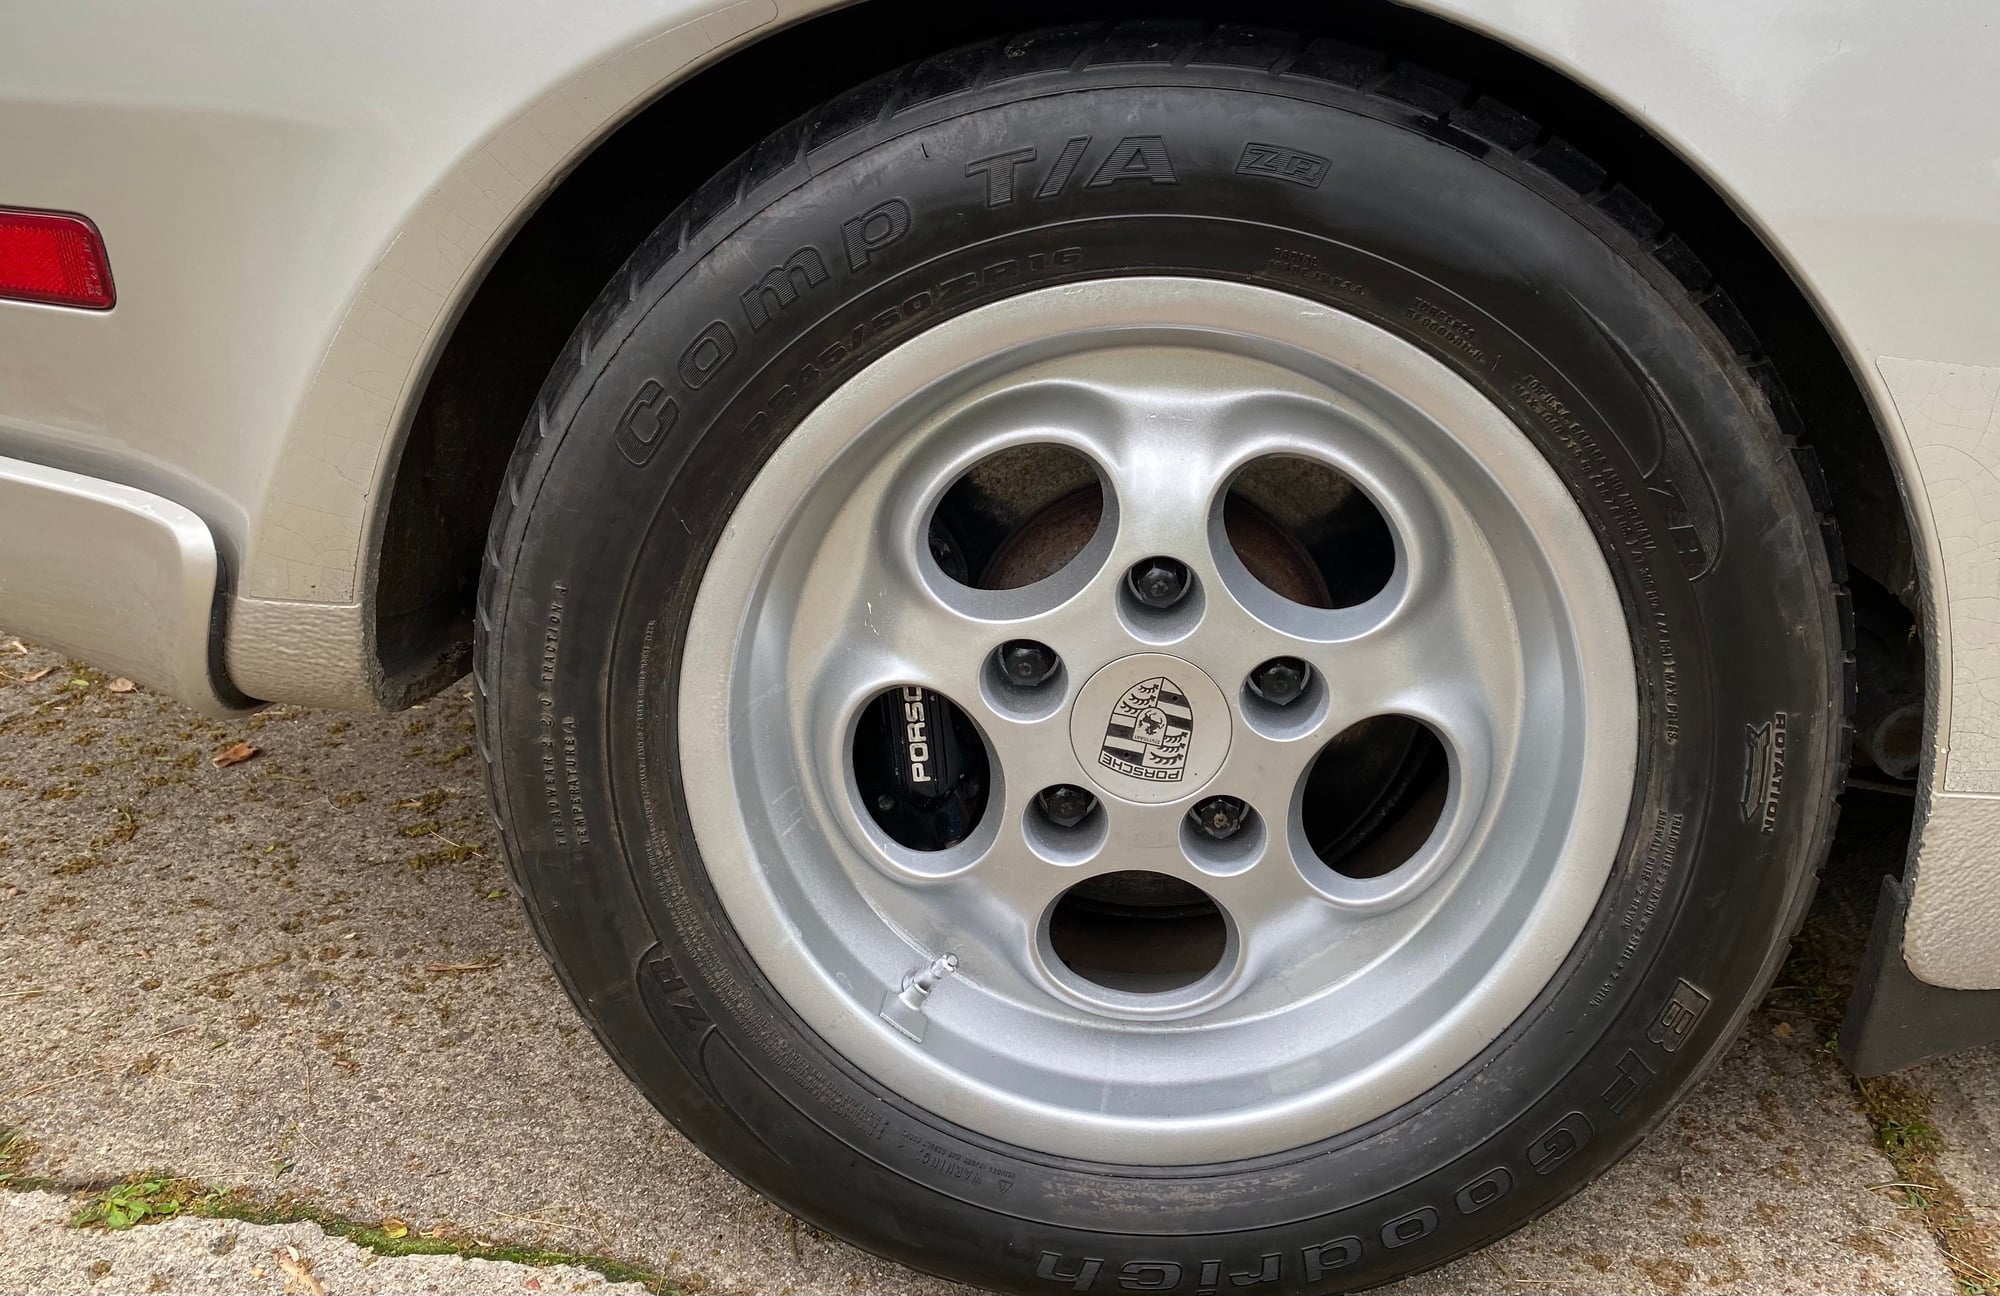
x=395 y=1228
x=17 y=647
x=236 y=755
x=486 y=966
x=533 y=1284
x=39 y=672
x=298 y=1269
x=1782 y=1030
x=120 y=685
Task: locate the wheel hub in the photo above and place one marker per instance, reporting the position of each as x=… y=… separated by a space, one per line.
x=1150 y=728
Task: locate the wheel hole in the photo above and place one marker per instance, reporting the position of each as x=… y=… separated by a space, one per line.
x=1016 y=517
x=921 y=767
x=1138 y=932
x=1308 y=533
x=1374 y=795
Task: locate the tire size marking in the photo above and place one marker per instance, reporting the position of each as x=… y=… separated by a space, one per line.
x=1447 y=328
x=561 y=753
x=1296 y=263
x=1656 y=869
x=657 y=851
x=1634 y=535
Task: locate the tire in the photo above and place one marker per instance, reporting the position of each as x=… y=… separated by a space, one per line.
x=1362 y=191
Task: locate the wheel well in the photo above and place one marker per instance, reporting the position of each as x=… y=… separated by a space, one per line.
x=485 y=379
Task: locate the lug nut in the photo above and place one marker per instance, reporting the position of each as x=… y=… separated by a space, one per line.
x=1281 y=681
x=1219 y=817
x=1066 y=805
x=1027 y=663
x=1159 y=582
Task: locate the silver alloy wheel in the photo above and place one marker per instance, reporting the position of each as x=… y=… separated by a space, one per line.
x=1335 y=998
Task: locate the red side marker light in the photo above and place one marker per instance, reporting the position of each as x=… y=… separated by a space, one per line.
x=54 y=258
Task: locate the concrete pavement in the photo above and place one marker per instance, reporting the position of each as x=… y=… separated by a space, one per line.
x=302 y=979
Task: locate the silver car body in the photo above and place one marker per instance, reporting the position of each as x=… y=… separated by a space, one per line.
x=299 y=200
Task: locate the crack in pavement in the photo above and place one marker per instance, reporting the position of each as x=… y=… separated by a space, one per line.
x=42 y=1249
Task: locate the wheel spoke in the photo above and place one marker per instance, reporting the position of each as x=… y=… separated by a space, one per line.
x=992 y=909
x=1449 y=657
x=873 y=613
x=1164 y=469
x=1280 y=922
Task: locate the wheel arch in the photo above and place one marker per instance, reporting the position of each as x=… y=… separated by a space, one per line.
x=444 y=455
x=443 y=466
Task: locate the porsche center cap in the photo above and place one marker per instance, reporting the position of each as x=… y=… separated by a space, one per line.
x=1150 y=728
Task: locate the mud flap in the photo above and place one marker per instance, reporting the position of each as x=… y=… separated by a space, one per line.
x=1896 y=1021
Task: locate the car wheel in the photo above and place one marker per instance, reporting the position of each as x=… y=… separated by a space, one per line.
x=1150 y=660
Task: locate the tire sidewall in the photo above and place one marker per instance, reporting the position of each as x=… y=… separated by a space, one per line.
x=1602 y=361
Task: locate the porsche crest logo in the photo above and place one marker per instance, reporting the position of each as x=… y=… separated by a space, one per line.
x=1149 y=731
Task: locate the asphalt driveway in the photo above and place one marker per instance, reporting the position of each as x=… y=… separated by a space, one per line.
x=291 y=1003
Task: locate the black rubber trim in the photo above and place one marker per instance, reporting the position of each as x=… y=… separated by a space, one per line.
x=218 y=638
x=1895 y=1020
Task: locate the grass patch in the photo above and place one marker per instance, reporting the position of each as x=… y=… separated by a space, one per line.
x=1812 y=994
x=1901 y=1115
x=143 y=1201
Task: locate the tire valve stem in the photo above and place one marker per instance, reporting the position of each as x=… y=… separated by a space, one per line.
x=905 y=1009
